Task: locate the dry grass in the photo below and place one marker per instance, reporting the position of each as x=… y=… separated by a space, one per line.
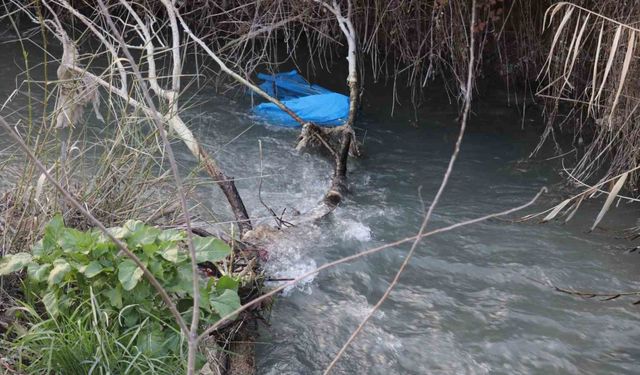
x=117 y=168
x=588 y=85
x=406 y=43
x=588 y=73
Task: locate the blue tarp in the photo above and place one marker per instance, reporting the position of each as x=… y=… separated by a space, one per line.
x=312 y=103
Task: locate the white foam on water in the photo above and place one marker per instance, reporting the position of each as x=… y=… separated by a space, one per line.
x=355 y=230
x=288 y=258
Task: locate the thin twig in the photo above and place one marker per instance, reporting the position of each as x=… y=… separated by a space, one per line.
x=608 y=296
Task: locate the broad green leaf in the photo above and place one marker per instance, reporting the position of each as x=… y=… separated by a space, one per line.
x=142 y=235
x=38 y=248
x=226 y=282
x=133 y=225
x=103 y=249
x=92 y=269
x=115 y=296
x=225 y=303
x=204 y=296
x=201 y=360
x=187 y=314
x=131 y=317
x=176 y=340
x=129 y=274
x=117 y=232
x=185 y=278
x=151 y=340
x=129 y=227
x=73 y=240
x=171 y=252
x=172 y=235
x=109 y=263
x=38 y=272
x=14 y=262
x=54 y=227
x=52 y=232
x=143 y=295
x=149 y=249
x=65 y=302
x=58 y=272
x=51 y=303
x=157 y=268
x=210 y=249
x=182 y=282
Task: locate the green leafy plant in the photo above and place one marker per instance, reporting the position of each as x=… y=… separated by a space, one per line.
x=88 y=342
x=68 y=267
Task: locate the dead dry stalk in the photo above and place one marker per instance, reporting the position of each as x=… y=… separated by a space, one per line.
x=587 y=78
x=170 y=96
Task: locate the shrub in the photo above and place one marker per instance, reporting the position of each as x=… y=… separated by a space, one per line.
x=68 y=267
x=87 y=342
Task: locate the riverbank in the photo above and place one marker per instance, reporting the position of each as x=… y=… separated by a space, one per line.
x=164 y=143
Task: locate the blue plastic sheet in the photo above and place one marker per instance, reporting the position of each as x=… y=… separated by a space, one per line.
x=312 y=103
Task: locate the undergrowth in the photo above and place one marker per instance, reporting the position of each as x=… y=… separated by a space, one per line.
x=86 y=342
x=98 y=310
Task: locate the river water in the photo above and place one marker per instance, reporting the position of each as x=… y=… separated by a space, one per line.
x=472 y=301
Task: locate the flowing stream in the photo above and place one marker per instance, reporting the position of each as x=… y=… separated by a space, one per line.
x=473 y=300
